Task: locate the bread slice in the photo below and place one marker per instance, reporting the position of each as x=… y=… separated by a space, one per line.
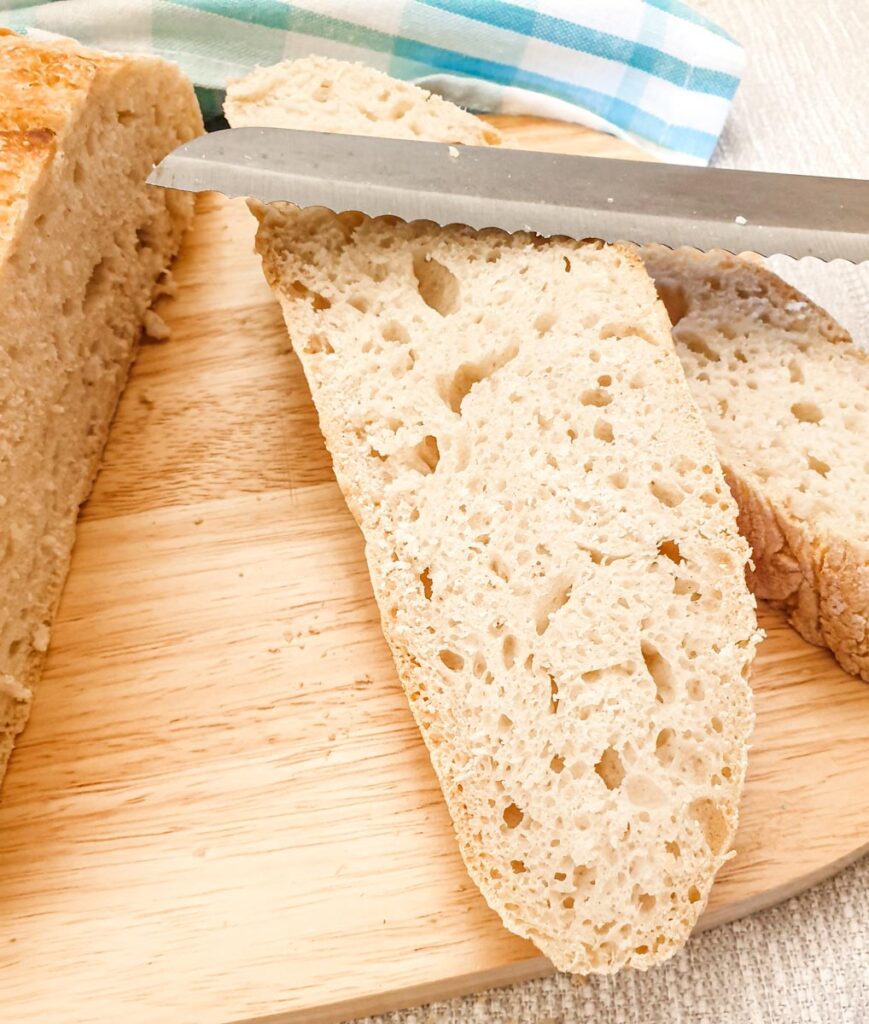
x=83 y=247
x=554 y=553
x=323 y=94
x=785 y=392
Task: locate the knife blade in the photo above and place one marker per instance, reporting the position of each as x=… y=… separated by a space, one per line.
x=546 y=193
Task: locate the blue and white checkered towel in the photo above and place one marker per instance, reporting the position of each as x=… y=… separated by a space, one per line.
x=651 y=71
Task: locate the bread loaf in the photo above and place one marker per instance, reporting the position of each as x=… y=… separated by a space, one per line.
x=552 y=547
x=83 y=247
x=785 y=392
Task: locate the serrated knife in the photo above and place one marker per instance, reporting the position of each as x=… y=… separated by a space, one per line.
x=547 y=193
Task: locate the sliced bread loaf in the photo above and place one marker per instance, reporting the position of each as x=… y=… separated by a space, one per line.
x=553 y=549
x=83 y=245
x=785 y=392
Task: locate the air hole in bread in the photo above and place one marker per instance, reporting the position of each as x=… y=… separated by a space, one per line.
x=78 y=173
x=425 y=580
x=620 y=331
x=545 y=322
x=96 y=282
x=557 y=765
x=610 y=768
x=674 y=299
x=695 y=689
x=553 y=695
x=673 y=848
x=665 y=748
x=508 y=650
x=437 y=285
x=597 y=557
x=454 y=662
x=394 y=331
x=818 y=465
x=401 y=107
x=126 y=117
x=693 y=894
x=425 y=456
x=518 y=866
x=595 y=396
x=646 y=902
x=359 y=302
x=144 y=237
x=659 y=669
x=556 y=599
x=302 y=291
x=603 y=431
x=499 y=568
x=807 y=412
x=566 y=264
x=513 y=816
x=711 y=821
x=619 y=480
x=670 y=549
x=454 y=393
x=699 y=346
x=318 y=343
x=667 y=494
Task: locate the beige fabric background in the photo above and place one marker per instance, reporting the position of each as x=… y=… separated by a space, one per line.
x=803 y=107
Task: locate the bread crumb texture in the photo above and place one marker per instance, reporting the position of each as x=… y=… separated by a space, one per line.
x=323 y=94
x=785 y=392
x=83 y=245
x=554 y=552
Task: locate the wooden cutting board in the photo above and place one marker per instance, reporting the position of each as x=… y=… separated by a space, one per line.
x=221 y=810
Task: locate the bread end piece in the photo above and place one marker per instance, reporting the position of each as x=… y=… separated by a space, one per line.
x=84 y=246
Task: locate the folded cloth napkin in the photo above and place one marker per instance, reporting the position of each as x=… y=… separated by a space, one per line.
x=651 y=71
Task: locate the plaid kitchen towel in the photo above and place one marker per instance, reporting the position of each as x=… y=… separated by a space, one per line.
x=651 y=71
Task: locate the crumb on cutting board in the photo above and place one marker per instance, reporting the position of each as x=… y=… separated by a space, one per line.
x=155 y=326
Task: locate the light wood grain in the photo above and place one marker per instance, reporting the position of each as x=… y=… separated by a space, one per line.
x=221 y=810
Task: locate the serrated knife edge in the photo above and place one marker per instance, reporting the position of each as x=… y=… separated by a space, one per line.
x=617 y=200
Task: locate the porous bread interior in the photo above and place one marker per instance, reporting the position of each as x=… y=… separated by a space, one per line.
x=785 y=393
x=82 y=257
x=554 y=553
x=323 y=94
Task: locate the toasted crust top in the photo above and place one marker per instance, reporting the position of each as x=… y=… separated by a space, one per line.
x=43 y=88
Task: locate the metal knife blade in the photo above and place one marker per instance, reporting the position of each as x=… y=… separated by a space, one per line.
x=548 y=193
